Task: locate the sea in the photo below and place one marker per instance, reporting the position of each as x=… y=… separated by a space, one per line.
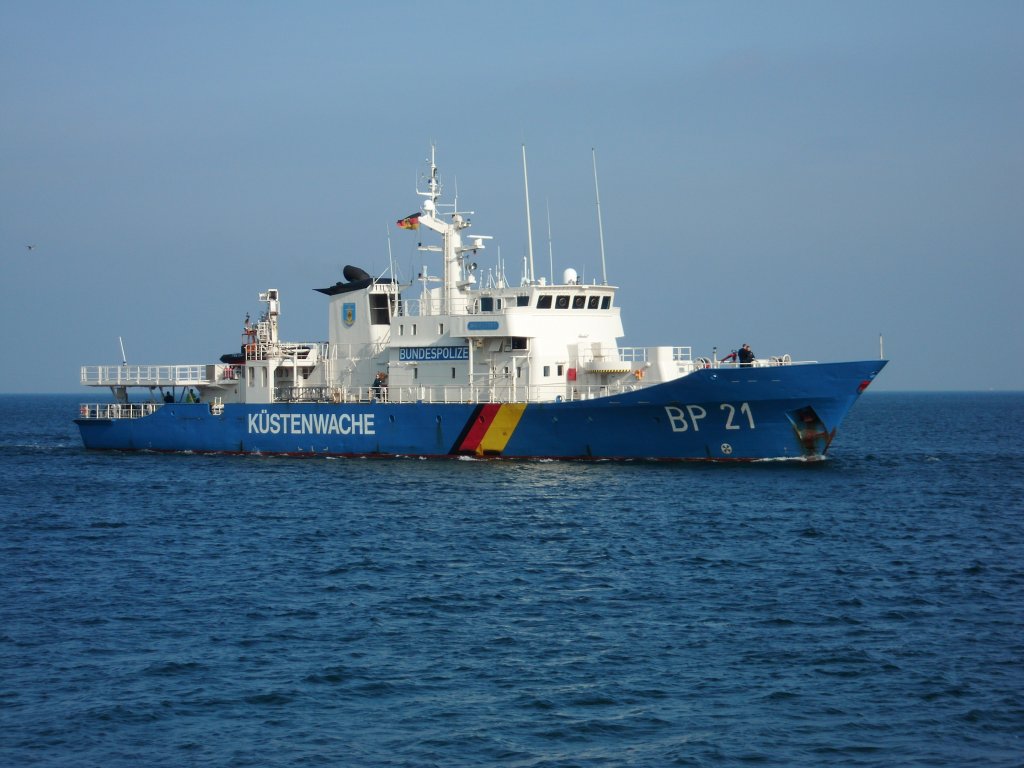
x=194 y=610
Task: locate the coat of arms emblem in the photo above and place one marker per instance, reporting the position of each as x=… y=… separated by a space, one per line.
x=348 y=314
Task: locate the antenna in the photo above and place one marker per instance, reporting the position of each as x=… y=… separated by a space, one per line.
x=124 y=359
x=529 y=227
x=600 y=227
x=391 y=263
x=551 y=256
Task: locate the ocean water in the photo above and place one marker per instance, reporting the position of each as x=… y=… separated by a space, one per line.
x=180 y=610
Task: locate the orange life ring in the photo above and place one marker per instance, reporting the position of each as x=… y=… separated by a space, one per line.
x=639 y=373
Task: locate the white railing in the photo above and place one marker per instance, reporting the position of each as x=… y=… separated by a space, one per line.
x=145 y=375
x=770 y=362
x=117 y=410
x=498 y=393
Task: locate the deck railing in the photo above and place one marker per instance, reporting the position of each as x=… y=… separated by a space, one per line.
x=449 y=394
x=117 y=410
x=145 y=375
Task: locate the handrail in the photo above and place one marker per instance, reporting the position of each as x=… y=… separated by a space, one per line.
x=145 y=375
x=117 y=410
x=498 y=393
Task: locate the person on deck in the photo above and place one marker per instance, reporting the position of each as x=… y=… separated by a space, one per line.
x=746 y=356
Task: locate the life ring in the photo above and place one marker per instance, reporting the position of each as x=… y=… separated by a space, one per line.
x=639 y=373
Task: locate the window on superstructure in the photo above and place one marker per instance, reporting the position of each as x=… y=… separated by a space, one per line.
x=453 y=373
x=562 y=302
x=579 y=302
x=519 y=371
x=440 y=329
x=547 y=371
x=606 y=302
x=415 y=373
x=544 y=301
x=379 y=309
x=522 y=301
x=265 y=376
x=497 y=303
x=593 y=302
x=401 y=329
x=414 y=329
x=518 y=342
x=561 y=369
x=486 y=303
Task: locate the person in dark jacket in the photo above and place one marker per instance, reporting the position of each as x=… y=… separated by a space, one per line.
x=746 y=356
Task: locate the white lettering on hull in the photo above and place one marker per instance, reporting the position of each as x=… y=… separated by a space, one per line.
x=687 y=420
x=264 y=423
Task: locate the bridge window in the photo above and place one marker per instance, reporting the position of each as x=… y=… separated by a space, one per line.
x=562 y=302
x=606 y=302
x=579 y=302
x=486 y=303
x=593 y=302
x=518 y=342
x=544 y=301
x=522 y=301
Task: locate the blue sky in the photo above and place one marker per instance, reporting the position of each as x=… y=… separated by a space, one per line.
x=801 y=176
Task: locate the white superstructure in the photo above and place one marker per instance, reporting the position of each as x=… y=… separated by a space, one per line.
x=437 y=339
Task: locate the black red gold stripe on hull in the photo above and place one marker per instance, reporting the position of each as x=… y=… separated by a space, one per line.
x=489 y=429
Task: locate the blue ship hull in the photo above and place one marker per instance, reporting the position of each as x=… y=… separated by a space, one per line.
x=718 y=414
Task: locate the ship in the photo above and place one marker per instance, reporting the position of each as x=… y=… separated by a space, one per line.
x=470 y=364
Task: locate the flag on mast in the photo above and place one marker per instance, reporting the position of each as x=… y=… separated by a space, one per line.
x=412 y=221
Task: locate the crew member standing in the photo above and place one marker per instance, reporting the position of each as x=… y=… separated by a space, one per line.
x=746 y=356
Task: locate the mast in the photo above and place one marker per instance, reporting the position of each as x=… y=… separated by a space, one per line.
x=551 y=253
x=529 y=228
x=600 y=227
x=453 y=297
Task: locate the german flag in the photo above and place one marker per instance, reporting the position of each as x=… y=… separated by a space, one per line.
x=412 y=221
